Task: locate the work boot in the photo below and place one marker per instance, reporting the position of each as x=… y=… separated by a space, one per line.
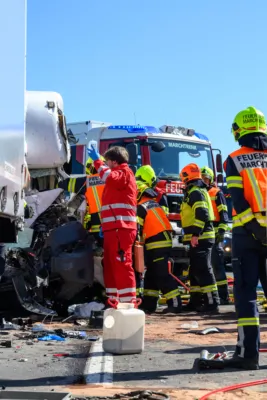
x=190 y=306
x=249 y=364
x=174 y=306
x=225 y=302
x=172 y=310
x=196 y=300
x=208 y=308
x=148 y=305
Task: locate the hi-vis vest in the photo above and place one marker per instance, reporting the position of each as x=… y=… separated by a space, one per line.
x=93 y=196
x=155 y=221
x=213 y=193
x=252 y=167
x=188 y=215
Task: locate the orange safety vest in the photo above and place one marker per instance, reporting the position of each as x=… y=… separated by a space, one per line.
x=94 y=193
x=213 y=193
x=252 y=167
x=156 y=220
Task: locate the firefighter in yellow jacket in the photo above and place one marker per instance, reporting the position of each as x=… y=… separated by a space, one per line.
x=155 y=229
x=220 y=224
x=197 y=216
x=92 y=188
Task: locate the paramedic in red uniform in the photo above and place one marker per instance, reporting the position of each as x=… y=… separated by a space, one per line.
x=118 y=219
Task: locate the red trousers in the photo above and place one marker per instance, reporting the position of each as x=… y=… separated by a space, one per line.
x=119 y=276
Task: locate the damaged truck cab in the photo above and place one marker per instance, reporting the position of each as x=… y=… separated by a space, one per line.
x=12 y=125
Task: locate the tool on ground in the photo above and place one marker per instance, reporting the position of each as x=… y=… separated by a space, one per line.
x=209 y=330
x=136 y=395
x=213 y=360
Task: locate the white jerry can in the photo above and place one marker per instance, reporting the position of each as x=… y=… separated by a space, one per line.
x=123 y=329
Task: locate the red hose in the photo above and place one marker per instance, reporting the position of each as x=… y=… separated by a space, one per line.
x=234 y=387
x=175 y=277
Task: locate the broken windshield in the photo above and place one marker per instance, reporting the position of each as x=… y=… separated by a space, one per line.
x=177 y=154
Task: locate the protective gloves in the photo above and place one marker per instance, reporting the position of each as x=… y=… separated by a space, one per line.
x=93 y=153
x=101 y=234
x=258 y=232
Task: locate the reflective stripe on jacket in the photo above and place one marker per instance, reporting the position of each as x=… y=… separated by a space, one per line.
x=152 y=218
x=119 y=198
x=219 y=208
x=93 y=196
x=197 y=215
x=246 y=177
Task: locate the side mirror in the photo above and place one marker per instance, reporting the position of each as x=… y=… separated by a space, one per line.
x=219 y=164
x=220 y=178
x=157 y=147
x=132 y=149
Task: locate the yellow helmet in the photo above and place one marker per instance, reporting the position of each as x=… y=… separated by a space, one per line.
x=90 y=165
x=207 y=173
x=146 y=174
x=141 y=187
x=248 y=121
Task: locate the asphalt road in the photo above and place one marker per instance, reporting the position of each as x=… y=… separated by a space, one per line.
x=172 y=365
x=34 y=367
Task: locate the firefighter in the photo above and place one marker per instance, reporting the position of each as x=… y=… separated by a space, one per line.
x=92 y=188
x=246 y=176
x=220 y=226
x=197 y=216
x=155 y=229
x=118 y=218
x=28 y=210
x=146 y=174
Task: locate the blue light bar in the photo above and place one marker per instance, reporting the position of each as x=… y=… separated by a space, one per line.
x=135 y=128
x=201 y=136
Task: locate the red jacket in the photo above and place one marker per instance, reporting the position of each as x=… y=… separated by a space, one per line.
x=119 y=199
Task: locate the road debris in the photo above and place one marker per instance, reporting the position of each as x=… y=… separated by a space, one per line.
x=208 y=331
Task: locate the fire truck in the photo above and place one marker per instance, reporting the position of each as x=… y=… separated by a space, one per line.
x=167 y=149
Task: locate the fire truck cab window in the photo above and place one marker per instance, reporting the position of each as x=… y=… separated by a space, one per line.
x=178 y=154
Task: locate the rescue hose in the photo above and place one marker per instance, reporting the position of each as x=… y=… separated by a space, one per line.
x=233 y=387
x=175 y=277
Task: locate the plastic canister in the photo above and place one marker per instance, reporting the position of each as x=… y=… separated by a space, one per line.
x=123 y=329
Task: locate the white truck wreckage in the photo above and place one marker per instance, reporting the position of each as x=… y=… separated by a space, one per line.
x=47 y=259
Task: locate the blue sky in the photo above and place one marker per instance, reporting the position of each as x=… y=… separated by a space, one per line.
x=190 y=63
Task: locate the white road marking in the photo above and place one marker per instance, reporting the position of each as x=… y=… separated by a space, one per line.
x=99 y=366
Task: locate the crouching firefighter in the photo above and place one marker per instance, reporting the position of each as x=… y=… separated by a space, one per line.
x=246 y=177
x=155 y=229
x=197 y=216
x=220 y=226
x=92 y=187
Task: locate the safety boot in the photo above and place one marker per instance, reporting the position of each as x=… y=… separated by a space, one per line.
x=148 y=305
x=209 y=307
x=249 y=364
x=174 y=306
x=196 y=300
x=225 y=302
